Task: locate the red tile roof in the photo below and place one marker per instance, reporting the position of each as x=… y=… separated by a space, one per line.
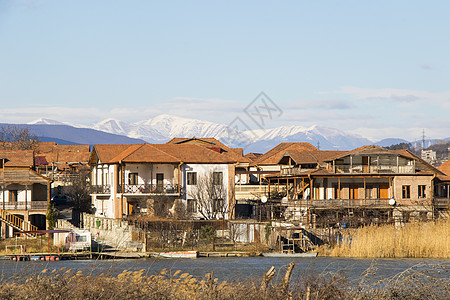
x=18 y=158
x=445 y=168
x=252 y=156
x=161 y=153
x=235 y=153
x=47 y=147
x=105 y=152
x=310 y=157
x=273 y=156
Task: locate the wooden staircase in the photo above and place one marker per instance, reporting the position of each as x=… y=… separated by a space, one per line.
x=17 y=223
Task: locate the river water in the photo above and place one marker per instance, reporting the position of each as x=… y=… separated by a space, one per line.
x=235 y=268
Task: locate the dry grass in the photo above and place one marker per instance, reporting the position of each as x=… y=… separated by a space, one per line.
x=28 y=245
x=67 y=284
x=414 y=240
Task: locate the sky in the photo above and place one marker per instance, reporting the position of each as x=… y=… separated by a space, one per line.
x=376 y=68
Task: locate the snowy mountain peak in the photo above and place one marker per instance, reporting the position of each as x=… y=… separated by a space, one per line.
x=162 y=128
x=43 y=121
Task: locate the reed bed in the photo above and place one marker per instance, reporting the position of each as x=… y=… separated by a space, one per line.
x=414 y=283
x=412 y=240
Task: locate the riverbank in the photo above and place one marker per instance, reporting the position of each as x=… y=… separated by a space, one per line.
x=227 y=278
x=411 y=240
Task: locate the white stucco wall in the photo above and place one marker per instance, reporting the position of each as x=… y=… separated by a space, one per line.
x=203 y=170
x=21 y=194
x=147 y=173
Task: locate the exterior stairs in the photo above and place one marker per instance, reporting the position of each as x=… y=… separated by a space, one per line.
x=17 y=223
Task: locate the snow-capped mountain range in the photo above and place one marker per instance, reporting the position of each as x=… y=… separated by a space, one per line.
x=162 y=128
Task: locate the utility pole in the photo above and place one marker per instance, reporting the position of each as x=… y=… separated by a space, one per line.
x=423 y=139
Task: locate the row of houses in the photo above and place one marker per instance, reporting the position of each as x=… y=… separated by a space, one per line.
x=28 y=180
x=201 y=178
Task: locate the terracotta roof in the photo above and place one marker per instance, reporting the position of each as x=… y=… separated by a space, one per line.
x=106 y=152
x=272 y=157
x=19 y=175
x=235 y=153
x=18 y=158
x=445 y=168
x=67 y=157
x=144 y=153
x=252 y=156
x=194 y=140
x=300 y=157
x=309 y=157
x=239 y=151
x=161 y=153
x=197 y=154
x=47 y=147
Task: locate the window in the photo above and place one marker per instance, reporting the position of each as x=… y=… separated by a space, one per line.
x=133 y=178
x=192 y=178
x=217 y=178
x=369 y=192
x=13 y=196
x=406 y=191
x=336 y=192
x=191 y=205
x=422 y=191
x=218 y=205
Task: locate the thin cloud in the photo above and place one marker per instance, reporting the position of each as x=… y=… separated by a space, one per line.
x=396 y=95
x=215 y=110
x=323 y=104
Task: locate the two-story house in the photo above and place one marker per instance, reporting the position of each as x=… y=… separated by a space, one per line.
x=24 y=195
x=367 y=185
x=157 y=179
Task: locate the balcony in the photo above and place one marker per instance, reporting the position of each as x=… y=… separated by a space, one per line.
x=441 y=203
x=101 y=189
x=349 y=203
x=294 y=171
x=373 y=169
x=30 y=205
x=171 y=189
x=339 y=203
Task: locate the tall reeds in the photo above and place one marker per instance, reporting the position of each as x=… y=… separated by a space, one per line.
x=412 y=240
x=413 y=283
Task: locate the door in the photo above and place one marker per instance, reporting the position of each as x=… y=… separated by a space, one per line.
x=130 y=208
x=159 y=182
x=366 y=164
x=353 y=192
x=13 y=196
x=384 y=191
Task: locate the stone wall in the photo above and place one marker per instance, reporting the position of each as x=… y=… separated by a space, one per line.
x=113 y=233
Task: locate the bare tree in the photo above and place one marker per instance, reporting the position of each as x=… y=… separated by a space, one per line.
x=17 y=138
x=79 y=191
x=210 y=196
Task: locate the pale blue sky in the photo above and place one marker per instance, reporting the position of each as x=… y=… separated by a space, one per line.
x=377 y=68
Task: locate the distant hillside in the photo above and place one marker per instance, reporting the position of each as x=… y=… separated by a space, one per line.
x=65 y=134
x=390 y=141
x=57 y=141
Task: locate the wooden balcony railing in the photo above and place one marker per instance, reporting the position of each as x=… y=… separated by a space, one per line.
x=294 y=171
x=30 y=205
x=441 y=203
x=345 y=203
x=374 y=169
